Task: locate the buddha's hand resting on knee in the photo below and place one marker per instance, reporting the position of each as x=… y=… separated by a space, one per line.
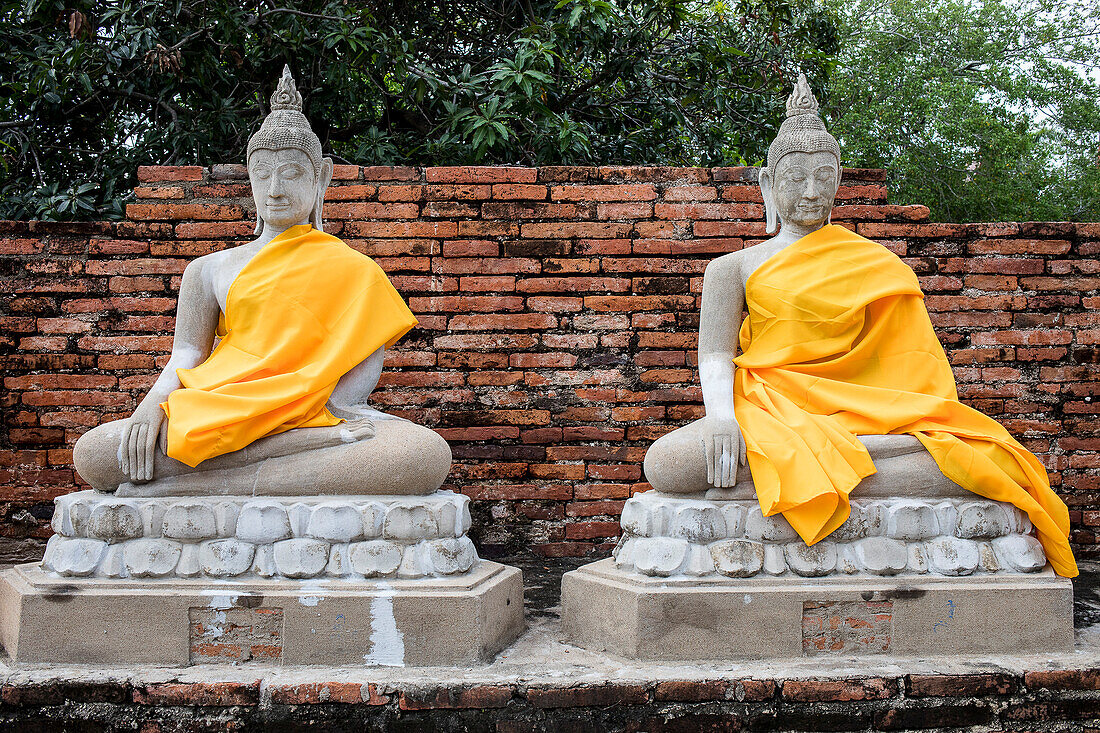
x=139 y=441
x=724 y=449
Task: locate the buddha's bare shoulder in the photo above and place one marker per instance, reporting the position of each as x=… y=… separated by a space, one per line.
x=740 y=264
x=213 y=263
x=726 y=265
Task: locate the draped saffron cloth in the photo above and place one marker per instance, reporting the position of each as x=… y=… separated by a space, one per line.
x=838 y=343
x=303 y=312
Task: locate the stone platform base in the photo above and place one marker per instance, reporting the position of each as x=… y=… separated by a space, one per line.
x=605 y=608
x=454 y=620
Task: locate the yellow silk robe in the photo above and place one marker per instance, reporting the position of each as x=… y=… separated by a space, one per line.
x=303 y=312
x=838 y=343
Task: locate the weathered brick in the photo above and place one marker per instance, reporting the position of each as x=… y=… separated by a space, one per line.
x=152 y=173
x=158 y=192
x=591 y=305
x=198 y=694
x=482 y=697
x=168 y=212
x=65 y=692
x=959 y=685
x=327 y=692
x=387 y=173
x=480 y=174
x=630 y=192
x=873 y=688
x=683 y=691
x=587 y=696
x=1064 y=679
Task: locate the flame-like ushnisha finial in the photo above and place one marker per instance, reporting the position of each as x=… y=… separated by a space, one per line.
x=802 y=100
x=286 y=95
x=803 y=129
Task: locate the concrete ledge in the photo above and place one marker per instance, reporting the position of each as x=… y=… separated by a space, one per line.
x=464 y=619
x=541 y=684
x=605 y=608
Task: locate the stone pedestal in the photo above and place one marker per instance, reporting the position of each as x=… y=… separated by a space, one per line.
x=320 y=580
x=703 y=579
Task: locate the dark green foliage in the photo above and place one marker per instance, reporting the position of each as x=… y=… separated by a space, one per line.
x=984 y=110
x=89 y=91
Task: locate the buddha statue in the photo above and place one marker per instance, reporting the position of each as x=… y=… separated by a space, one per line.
x=254 y=487
x=841 y=386
x=278 y=346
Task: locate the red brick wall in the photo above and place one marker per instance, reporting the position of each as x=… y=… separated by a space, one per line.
x=558 y=310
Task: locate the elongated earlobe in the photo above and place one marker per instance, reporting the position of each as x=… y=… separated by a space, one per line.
x=324 y=178
x=315 y=215
x=839 y=173
x=771 y=220
x=259 y=224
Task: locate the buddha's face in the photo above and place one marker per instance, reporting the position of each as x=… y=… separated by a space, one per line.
x=804 y=187
x=284 y=186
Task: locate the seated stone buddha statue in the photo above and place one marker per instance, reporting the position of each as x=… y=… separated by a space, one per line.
x=841 y=386
x=278 y=345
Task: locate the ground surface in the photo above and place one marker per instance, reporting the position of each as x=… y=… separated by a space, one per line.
x=543 y=684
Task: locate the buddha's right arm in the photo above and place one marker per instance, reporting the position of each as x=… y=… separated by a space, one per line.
x=196 y=323
x=719 y=320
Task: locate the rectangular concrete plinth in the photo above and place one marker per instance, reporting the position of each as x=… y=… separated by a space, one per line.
x=431 y=621
x=641 y=617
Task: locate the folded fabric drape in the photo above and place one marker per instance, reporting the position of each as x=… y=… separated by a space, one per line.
x=838 y=343
x=303 y=312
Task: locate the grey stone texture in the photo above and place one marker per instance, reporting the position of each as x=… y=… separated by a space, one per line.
x=458 y=619
x=667 y=535
x=609 y=609
x=99 y=535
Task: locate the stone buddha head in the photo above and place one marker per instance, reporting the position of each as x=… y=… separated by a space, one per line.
x=801 y=179
x=288 y=175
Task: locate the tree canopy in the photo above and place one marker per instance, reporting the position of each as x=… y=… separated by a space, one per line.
x=91 y=90
x=984 y=110
x=981 y=109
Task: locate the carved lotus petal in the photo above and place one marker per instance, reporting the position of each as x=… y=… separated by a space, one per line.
x=375 y=558
x=738 y=558
x=151 y=558
x=769 y=529
x=661 y=556
x=881 y=555
x=301 y=557
x=114 y=521
x=1022 y=553
x=409 y=523
x=699 y=524
x=811 y=561
x=335 y=522
x=263 y=523
x=77 y=557
x=912 y=520
x=452 y=555
x=953 y=556
x=225 y=558
x=981 y=520
x=190 y=520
